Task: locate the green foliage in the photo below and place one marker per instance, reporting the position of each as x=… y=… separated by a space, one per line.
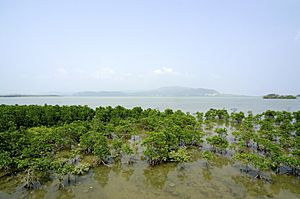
x=126 y=149
x=222 y=114
x=81 y=169
x=211 y=114
x=218 y=142
x=257 y=161
x=116 y=147
x=192 y=137
x=296 y=115
x=16 y=116
x=125 y=129
x=5 y=160
x=222 y=132
x=158 y=145
x=276 y=96
x=181 y=155
x=44 y=140
x=208 y=155
x=199 y=117
x=291 y=161
x=127 y=153
x=237 y=117
x=95 y=143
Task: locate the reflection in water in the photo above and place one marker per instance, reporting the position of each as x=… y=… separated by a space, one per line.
x=253 y=186
x=9 y=184
x=127 y=172
x=40 y=193
x=283 y=182
x=221 y=161
x=167 y=181
x=116 y=168
x=207 y=174
x=66 y=194
x=182 y=172
x=101 y=175
x=156 y=176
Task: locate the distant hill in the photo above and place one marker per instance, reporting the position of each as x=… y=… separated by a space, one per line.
x=160 y=92
x=101 y=93
x=177 y=91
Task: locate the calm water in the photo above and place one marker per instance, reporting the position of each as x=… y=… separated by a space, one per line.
x=191 y=180
x=187 y=104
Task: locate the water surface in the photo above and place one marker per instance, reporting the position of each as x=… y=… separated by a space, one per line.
x=187 y=104
x=166 y=181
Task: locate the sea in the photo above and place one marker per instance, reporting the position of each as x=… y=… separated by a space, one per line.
x=186 y=104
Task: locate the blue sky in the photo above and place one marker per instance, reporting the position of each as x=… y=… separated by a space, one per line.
x=247 y=47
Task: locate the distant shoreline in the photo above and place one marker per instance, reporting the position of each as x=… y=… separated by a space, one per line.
x=30 y=95
x=171 y=91
x=127 y=96
x=276 y=96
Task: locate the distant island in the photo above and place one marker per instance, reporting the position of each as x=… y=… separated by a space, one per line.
x=101 y=93
x=276 y=96
x=19 y=95
x=172 y=91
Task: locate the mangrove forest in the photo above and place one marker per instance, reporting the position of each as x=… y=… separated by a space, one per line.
x=46 y=143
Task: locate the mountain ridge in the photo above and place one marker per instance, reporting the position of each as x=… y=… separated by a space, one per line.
x=170 y=91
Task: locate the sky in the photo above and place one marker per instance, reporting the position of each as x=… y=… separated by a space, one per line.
x=249 y=47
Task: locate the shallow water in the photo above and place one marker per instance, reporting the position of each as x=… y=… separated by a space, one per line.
x=183 y=180
x=187 y=104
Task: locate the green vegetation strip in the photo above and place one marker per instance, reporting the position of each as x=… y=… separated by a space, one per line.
x=276 y=96
x=45 y=142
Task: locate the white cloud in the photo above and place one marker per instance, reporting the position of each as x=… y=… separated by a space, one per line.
x=106 y=73
x=61 y=73
x=164 y=71
x=79 y=73
x=103 y=73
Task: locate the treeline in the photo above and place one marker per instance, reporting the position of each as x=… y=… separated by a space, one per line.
x=40 y=142
x=15 y=116
x=276 y=96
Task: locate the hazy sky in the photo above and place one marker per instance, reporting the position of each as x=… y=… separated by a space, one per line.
x=234 y=46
